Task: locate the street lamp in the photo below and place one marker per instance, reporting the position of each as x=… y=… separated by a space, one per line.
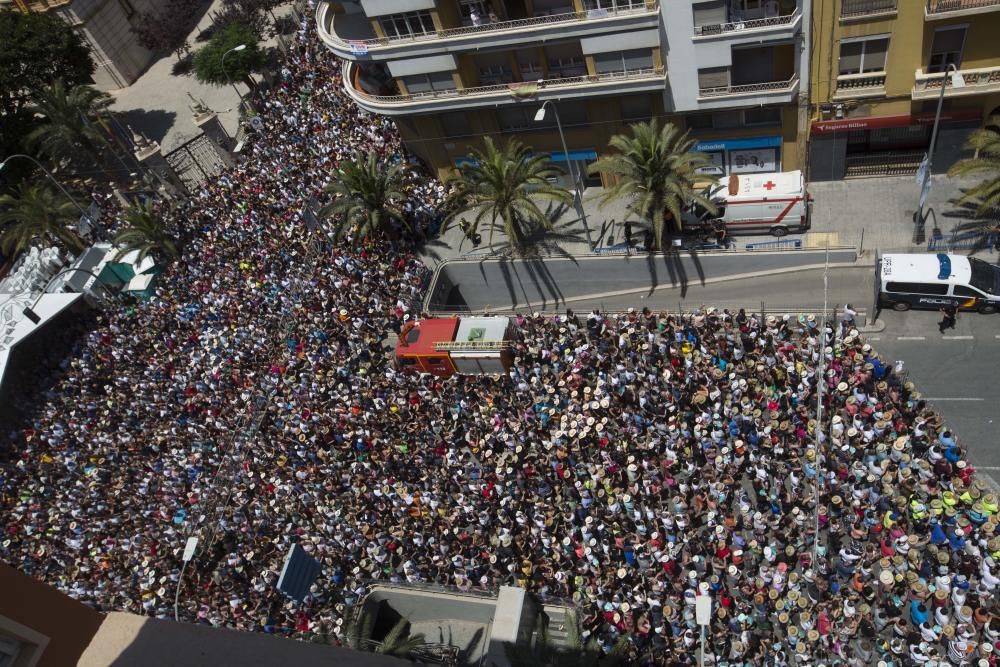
x=241 y=47
x=578 y=196
x=52 y=178
x=924 y=173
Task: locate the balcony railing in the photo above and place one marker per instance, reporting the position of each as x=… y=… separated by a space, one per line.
x=716 y=29
x=853 y=9
x=502 y=90
x=325 y=18
x=944 y=6
x=977 y=82
x=861 y=85
x=750 y=88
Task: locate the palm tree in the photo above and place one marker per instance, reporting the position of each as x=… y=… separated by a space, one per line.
x=145 y=233
x=501 y=186
x=36 y=212
x=982 y=201
x=398 y=642
x=655 y=169
x=367 y=195
x=74 y=116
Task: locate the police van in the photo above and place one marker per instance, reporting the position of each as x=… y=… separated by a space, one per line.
x=933 y=281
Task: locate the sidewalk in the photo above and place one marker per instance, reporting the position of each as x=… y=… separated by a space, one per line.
x=157 y=104
x=869 y=214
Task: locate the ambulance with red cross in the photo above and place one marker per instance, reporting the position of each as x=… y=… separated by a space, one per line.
x=775 y=203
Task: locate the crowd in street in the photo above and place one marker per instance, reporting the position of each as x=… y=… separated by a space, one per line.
x=628 y=462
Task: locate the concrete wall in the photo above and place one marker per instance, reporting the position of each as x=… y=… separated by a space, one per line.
x=35 y=613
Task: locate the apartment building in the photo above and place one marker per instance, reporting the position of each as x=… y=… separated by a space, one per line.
x=105 y=26
x=452 y=71
x=877 y=75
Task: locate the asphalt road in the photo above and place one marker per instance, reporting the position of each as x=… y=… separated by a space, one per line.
x=556 y=283
x=956 y=372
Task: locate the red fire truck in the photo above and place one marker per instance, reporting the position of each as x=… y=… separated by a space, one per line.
x=453 y=345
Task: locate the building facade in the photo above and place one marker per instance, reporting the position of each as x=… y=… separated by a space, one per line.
x=877 y=74
x=105 y=26
x=733 y=72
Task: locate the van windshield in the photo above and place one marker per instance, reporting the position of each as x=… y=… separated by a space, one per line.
x=984 y=277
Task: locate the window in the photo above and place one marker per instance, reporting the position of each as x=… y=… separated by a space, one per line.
x=127 y=8
x=867 y=55
x=522 y=117
x=637 y=107
x=565 y=60
x=713 y=77
x=407 y=361
x=762 y=116
x=398 y=26
x=962 y=290
x=480 y=7
x=424 y=83
x=623 y=61
x=917 y=288
x=710 y=14
x=947 y=48
x=490 y=75
x=700 y=121
x=725 y=120
x=455 y=124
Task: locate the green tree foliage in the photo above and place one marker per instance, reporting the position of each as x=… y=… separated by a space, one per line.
x=655 y=170
x=985 y=196
x=239 y=64
x=33 y=212
x=502 y=187
x=35 y=48
x=146 y=233
x=73 y=122
x=367 y=194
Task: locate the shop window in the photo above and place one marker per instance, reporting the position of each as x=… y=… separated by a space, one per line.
x=865 y=55
x=455 y=124
x=699 y=121
x=762 y=116
x=514 y=118
x=571 y=115
x=725 y=120
x=947 y=48
x=637 y=107
x=399 y=26
x=425 y=83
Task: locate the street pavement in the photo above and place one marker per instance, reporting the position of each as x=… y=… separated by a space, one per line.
x=957 y=372
x=555 y=283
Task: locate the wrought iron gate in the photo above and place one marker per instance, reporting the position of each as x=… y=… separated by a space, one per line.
x=196 y=160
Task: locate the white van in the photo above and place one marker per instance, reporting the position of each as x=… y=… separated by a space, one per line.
x=932 y=281
x=775 y=203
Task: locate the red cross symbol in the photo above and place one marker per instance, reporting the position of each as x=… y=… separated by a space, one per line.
x=770 y=185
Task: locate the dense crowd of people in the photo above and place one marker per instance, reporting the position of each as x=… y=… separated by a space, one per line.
x=629 y=462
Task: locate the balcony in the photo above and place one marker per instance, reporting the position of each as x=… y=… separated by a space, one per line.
x=768 y=92
x=977 y=82
x=773 y=26
x=946 y=9
x=854 y=86
x=866 y=10
x=607 y=83
x=345 y=35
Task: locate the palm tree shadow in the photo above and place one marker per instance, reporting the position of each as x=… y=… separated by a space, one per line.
x=981 y=228
x=471 y=648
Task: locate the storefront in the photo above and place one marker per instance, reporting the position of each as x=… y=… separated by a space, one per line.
x=741 y=156
x=886 y=145
x=581 y=159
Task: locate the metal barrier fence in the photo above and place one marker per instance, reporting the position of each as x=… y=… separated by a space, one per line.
x=196 y=161
x=783 y=244
x=966 y=241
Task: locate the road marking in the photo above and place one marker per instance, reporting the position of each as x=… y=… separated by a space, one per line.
x=954 y=399
x=880 y=338
x=911 y=337
x=997 y=336
x=987 y=467
x=958 y=337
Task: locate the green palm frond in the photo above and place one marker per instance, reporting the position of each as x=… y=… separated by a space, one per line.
x=502 y=187
x=655 y=169
x=368 y=195
x=986 y=195
x=37 y=212
x=145 y=233
x=74 y=116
